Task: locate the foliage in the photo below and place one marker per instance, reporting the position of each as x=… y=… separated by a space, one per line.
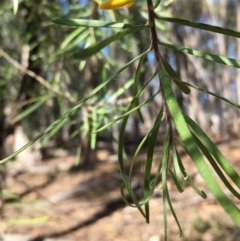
x=92 y=41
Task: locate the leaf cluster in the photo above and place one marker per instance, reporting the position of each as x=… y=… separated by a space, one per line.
x=181 y=132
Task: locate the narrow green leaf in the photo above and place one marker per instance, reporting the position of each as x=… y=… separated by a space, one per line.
x=194 y=152
x=212 y=57
x=71 y=46
x=166 y=151
x=93 y=23
x=155 y=126
x=148 y=166
x=154 y=182
x=125 y=198
x=72 y=110
x=131 y=110
x=182 y=86
x=143 y=141
x=215 y=166
x=157 y=3
x=71 y=36
x=201 y=193
x=136 y=83
x=136 y=95
x=32 y=108
x=177 y=169
x=74 y=134
x=93 y=49
x=211 y=147
x=174 y=214
x=203 y=26
x=137 y=204
x=135 y=88
x=15 y=6
x=206 y=91
x=187 y=178
x=53 y=131
x=125 y=114
x=121 y=90
x=174 y=178
x=95 y=124
x=124 y=177
x=121 y=166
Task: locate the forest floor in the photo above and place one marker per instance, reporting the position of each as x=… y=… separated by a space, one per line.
x=52 y=202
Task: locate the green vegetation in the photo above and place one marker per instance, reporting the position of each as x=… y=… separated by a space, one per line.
x=107 y=68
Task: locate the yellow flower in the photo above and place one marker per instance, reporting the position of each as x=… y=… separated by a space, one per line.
x=111 y=4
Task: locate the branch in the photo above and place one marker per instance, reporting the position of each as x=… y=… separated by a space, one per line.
x=151 y=21
x=40 y=79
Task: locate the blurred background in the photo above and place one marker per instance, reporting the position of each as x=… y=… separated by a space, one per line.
x=66 y=185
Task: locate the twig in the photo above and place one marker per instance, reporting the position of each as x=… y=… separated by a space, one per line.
x=40 y=79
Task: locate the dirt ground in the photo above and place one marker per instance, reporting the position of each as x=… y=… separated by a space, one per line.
x=54 y=202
